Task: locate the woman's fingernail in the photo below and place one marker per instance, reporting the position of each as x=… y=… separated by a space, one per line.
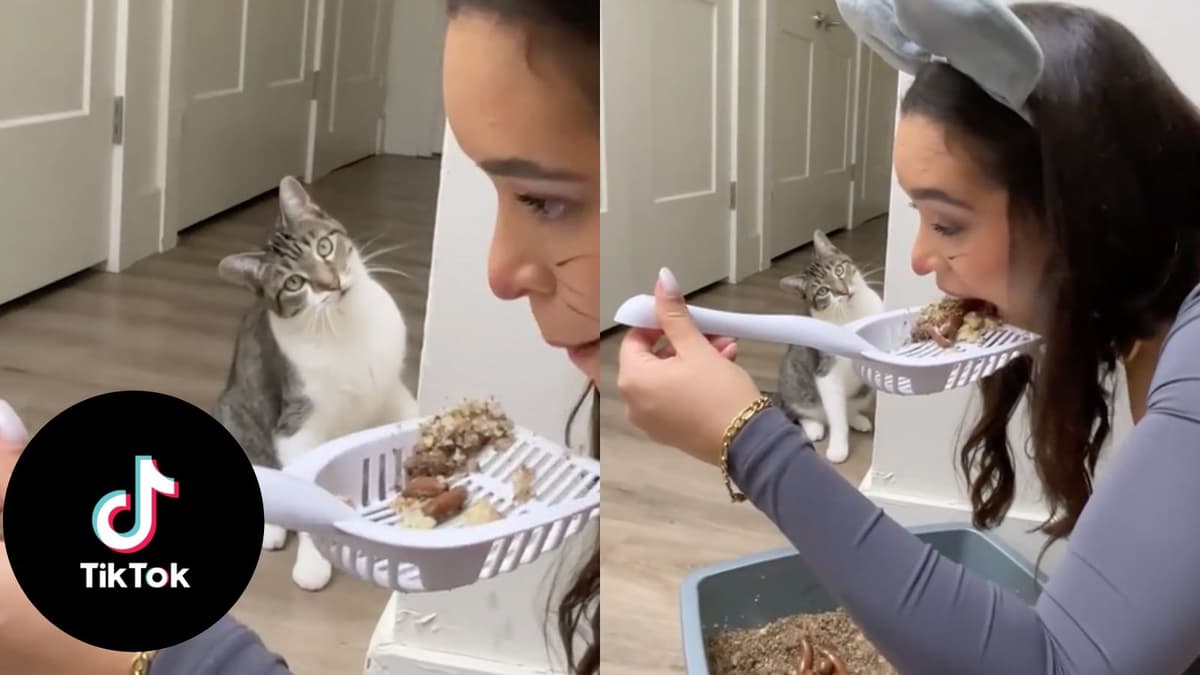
x=669 y=283
x=12 y=429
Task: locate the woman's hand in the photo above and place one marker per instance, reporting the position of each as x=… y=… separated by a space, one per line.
x=684 y=396
x=30 y=644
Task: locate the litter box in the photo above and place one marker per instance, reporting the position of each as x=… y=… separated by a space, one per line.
x=755 y=590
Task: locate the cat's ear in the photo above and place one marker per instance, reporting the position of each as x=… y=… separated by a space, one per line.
x=793 y=283
x=823 y=246
x=294 y=201
x=243 y=269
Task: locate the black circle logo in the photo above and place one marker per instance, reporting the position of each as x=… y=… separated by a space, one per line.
x=133 y=521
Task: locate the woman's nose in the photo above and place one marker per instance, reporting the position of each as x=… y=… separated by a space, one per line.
x=924 y=257
x=513 y=268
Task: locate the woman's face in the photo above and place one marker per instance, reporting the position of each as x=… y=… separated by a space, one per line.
x=963 y=236
x=537 y=137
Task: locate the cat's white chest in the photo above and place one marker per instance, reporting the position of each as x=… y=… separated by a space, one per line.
x=350 y=361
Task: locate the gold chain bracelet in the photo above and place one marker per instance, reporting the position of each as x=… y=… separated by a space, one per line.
x=141 y=663
x=735 y=427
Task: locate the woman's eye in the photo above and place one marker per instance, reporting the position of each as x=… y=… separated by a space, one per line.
x=946 y=230
x=324 y=247
x=544 y=208
x=293 y=283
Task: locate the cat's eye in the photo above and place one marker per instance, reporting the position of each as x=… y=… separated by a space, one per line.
x=822 y=293
x=293 y=283
x=840 y=270
x=324 y=247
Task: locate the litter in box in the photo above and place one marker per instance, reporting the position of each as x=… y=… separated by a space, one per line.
x=827 y=643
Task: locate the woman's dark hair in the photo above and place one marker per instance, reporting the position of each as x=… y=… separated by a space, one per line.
x=1104 y=185
x=573 y=26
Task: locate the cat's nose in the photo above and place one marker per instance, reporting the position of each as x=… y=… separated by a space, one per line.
x=327 y=280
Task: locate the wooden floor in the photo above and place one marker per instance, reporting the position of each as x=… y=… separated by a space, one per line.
x=168 y=324
x=664 y=513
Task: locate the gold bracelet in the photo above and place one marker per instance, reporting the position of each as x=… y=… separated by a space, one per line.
x=141 y=663
x=735 y=427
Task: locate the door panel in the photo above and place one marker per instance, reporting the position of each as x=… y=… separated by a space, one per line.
x=681 y=214
x=56 y=117
x=245 y=124
x=809 y=121
x=666 y=108
x=876 y=132
x=353 y=54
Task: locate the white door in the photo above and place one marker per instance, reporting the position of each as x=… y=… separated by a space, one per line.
x=56 y=139
x=413 y=110
x=247 y=66
x=809 y=121
x=666 y=109
x=351 y=93
x=673 y=97
x=874 y=131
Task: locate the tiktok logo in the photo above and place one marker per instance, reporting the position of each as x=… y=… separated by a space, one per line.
x=148 y=484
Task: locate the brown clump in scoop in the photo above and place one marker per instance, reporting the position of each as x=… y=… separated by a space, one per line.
x=952 y=320
x=448 y=446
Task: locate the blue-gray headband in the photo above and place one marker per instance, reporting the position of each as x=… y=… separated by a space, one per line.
x=982 y=39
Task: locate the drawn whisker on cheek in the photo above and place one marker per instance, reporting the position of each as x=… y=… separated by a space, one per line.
x=580 y=312
x=576 y=258
x=569 y=287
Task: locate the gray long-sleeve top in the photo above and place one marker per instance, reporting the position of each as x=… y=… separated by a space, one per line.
x=227 y=648
x=1125 y=598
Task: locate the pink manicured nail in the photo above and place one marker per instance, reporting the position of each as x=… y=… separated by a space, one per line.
x=669 y=283
x=12 y=430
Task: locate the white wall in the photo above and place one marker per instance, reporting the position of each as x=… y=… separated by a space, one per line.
x=413 y=117
x=914 y=468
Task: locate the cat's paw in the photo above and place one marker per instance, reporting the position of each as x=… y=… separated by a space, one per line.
x=813 y=429
x=274 y=537
x=311 y=571
x=837 y=453
x=861 y=423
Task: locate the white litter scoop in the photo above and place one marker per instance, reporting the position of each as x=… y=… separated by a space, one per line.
x=880 y=346
x=362 y=535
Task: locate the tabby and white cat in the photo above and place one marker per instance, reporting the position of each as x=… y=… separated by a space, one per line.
x=319 y=355
x=820 y=391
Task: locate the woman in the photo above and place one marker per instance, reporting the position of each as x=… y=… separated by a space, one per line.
x=522 y=95
x=1083 y=226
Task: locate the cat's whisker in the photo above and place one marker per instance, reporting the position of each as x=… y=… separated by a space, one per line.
x=386 y=249
x=363 y=245
x=389 y=270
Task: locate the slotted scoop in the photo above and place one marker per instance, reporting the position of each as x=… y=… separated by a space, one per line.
x=343 y=493
x=880 y=346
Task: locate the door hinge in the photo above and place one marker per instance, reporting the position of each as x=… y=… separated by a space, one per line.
x=733 y=195
x=118 y=128
x=316 y=79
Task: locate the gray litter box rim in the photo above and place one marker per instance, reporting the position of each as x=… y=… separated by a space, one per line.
x=695 y=661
